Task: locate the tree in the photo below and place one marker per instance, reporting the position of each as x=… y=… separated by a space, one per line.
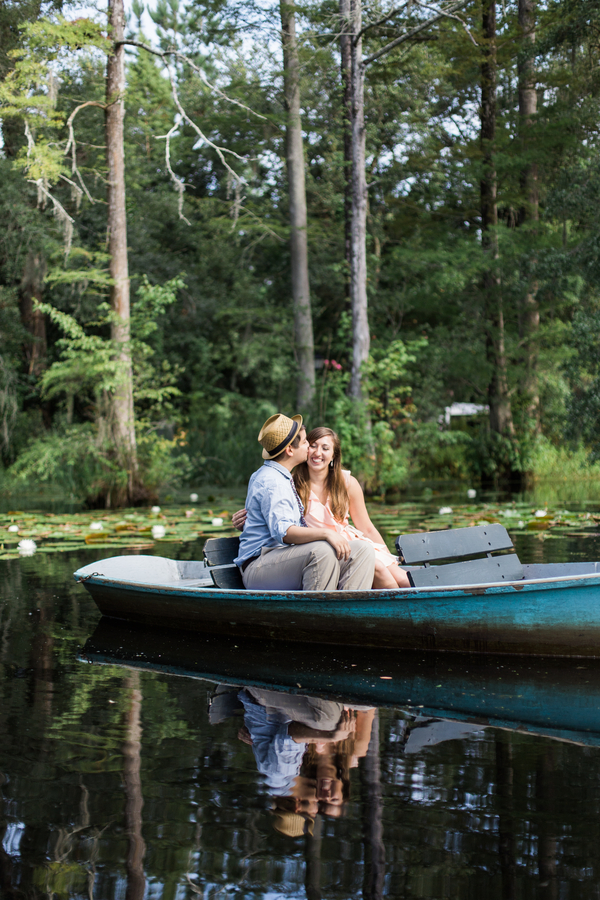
x=529 y=212
x=501 y=421
x=303 y=325
x=123 y=421
x=358 y=241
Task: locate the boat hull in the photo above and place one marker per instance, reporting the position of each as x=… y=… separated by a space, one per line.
x=538 y=617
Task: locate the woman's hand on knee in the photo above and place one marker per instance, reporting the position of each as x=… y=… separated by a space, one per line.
x=238 y=519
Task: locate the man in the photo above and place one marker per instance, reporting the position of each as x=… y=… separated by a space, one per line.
x=277 y=550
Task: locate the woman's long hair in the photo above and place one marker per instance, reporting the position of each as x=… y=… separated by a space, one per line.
x=336 y=486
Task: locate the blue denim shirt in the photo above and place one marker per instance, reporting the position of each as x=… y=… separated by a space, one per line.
x=271 y=506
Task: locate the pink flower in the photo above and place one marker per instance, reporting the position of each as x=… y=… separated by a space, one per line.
x=326 y=363
x=336 y=365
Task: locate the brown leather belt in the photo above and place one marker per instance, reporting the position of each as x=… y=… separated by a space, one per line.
x=247 y=562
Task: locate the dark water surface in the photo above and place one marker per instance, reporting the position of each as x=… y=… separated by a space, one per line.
x=137 y=776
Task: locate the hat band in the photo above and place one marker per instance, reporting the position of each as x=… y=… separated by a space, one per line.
x=287 y=440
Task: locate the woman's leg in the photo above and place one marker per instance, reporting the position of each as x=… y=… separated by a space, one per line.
x=389 y=576
x=383 y=577
x=399 y=575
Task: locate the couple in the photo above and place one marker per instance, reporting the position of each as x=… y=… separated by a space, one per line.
x=296 y=534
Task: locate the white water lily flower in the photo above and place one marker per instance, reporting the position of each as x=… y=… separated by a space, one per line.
x=158 y=531
x=521 y=524
x=155 y=510
x=96 y=526
x=14 y=529
x=540 y=513
x=471 y=493
x=27 y=547
x=445 y=510
x=194 y=498
x=217 y=521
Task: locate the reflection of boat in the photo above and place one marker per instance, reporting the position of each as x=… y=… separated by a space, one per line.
x=559 y=698
x=553 y=611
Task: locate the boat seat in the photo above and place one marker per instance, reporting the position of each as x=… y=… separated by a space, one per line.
x=220 y=553
x=456 y=544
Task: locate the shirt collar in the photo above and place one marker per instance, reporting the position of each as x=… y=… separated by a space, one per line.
x=275 y=465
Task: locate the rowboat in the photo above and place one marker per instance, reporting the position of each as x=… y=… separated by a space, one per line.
x=550 y=610
x=558 y=698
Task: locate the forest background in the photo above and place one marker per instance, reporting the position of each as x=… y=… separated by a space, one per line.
x=481 y=273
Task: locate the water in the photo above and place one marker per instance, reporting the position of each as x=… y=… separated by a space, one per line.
x=126 y=769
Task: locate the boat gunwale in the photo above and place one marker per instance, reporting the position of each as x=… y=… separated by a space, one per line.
x=343 y=596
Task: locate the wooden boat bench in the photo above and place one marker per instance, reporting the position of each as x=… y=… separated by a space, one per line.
x=220 y=553
x=456 y=544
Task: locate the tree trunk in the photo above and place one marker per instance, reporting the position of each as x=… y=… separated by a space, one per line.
x=501 y=420
x=134 y=800
x=32 y=286
x=372 y=814
x=548 y=842
x=358 y=243
x=297 y=199
x=123 y=426
x=506 y=818
x=346 y=72
x=312 y=853
x=529 y=212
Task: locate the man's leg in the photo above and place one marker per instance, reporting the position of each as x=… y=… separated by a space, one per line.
x=356 y=573
x=299 y=567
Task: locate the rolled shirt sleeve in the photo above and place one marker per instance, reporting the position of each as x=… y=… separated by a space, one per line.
x=280 y=512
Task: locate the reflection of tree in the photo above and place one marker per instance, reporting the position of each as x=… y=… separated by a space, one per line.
x=132 y=746
x=506 y=818
x=312 y=851
x=547 y=841
x=372 y=809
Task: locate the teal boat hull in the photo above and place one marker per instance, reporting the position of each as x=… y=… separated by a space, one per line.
x=554 y=615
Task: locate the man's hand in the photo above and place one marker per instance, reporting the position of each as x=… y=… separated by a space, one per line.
x=238 y=519
x=340 y=544
x=297 y=534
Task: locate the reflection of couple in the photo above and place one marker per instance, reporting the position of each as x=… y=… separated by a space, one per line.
x=305 y=748
x=296 y=532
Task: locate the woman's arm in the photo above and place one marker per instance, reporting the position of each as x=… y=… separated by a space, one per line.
x=359 y=514
x=238 y=519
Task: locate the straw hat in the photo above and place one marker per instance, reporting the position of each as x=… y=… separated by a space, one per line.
x=292 y=824
x=277 y=433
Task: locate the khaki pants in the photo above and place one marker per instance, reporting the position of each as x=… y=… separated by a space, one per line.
x=311 y=567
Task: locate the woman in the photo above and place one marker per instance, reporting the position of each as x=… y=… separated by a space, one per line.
x=330 y=496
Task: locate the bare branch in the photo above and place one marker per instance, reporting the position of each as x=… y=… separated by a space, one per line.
x=236 y=179
x=59 y=211
x=382 y=21
x=179 y=184
x=72 y=145
x=163 y=54
x=219 y=150
x=450 y=16
x=44 y=194
x=414 y=31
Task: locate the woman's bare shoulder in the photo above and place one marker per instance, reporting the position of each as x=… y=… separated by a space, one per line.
x=354 y=485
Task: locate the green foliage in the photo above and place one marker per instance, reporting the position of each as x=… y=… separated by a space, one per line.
x=373 y=436
x=80 y=457
x=583 y=371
